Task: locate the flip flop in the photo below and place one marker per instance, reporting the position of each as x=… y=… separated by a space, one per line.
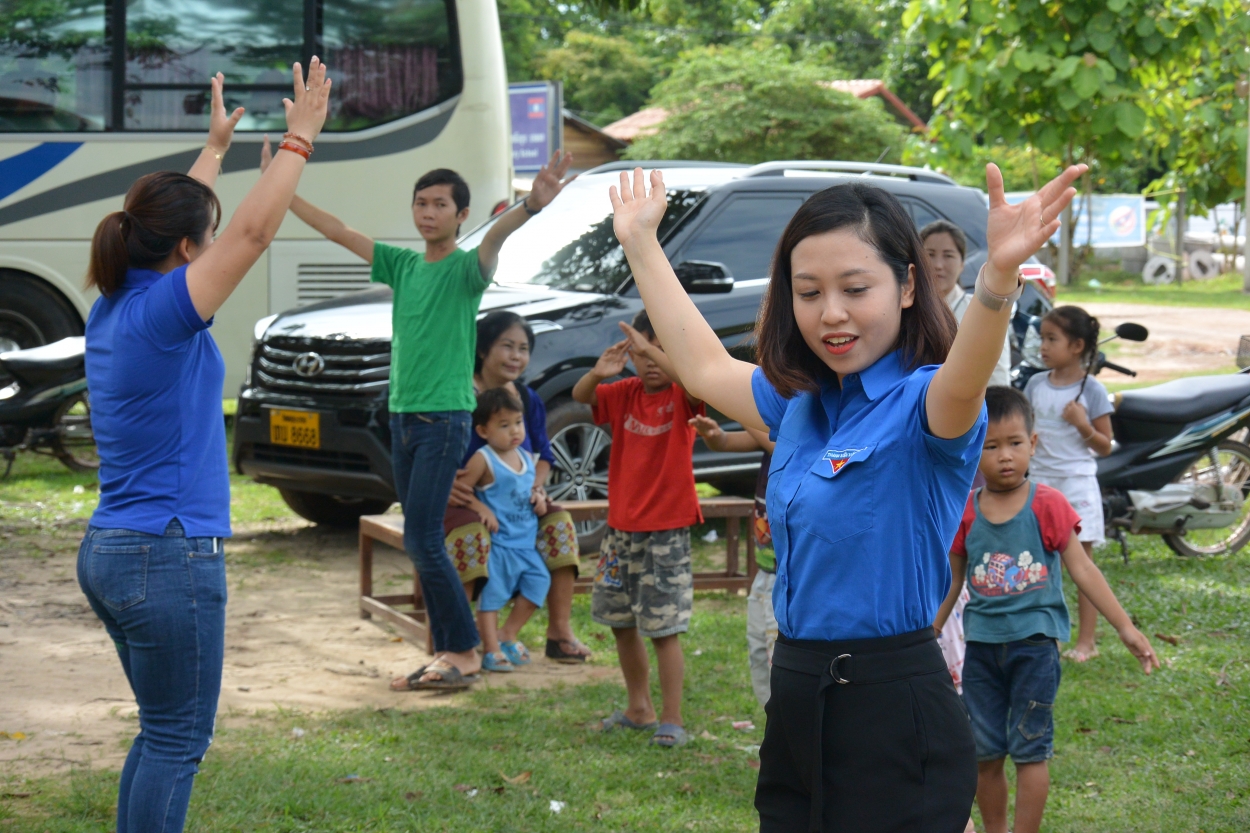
x=407 y=683
x=1080 y=656
x=669 y=735
x=618 y=720
x=497 y=662
x=556 y=652
x=452 y=678
x=516 y=652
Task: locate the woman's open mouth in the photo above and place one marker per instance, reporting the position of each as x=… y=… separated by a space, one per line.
x=840 y=344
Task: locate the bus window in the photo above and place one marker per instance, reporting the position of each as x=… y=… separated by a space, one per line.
x=389 y=59
x=54 y=72
x=174 y=46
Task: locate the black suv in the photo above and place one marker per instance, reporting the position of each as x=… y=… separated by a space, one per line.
x=312 y=416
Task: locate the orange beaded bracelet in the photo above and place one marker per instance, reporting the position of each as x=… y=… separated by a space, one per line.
x=294 y=148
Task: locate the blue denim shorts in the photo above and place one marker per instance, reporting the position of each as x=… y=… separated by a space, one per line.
x=1010 y=691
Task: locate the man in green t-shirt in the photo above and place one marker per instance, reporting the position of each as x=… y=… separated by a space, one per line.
x=434 y=315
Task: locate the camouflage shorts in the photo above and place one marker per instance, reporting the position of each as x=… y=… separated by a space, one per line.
x=644 y=581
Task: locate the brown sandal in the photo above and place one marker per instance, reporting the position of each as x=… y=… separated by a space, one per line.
x=555 y=651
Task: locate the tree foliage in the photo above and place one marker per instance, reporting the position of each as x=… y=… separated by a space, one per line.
x=1077 y=79
x=605 y=78
x=736 y=104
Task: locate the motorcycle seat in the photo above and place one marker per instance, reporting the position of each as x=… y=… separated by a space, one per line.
x=1184 y=400
x=57 y=357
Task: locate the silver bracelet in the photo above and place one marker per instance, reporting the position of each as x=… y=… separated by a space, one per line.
x=991 y=300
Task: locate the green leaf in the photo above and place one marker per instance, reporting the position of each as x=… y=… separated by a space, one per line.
x=958 y=78
x=1130 y=119
x=1106 y=71
x=1066 y=68
x=1024 y=60
x=1068 y=98
x=1152 y=43
x=1103 y=121
x=1119 y=56
x=1086 y=81
x=1145 y=25
x=1102 y=40
x=1116 y=5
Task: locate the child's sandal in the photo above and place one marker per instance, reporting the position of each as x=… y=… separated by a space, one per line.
x=516 y=652
x=497 y=662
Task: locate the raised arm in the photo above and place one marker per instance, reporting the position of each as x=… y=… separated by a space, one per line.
x=705 y=368
x=213 y=275
x=547 y=186
x=220 y=131
x=1014 y=233
x=325 y=223
x=610 y=364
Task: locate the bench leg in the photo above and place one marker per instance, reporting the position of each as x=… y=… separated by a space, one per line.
x=366 y=570
x=732 y=527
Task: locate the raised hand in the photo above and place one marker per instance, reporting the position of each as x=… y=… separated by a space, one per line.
x=306 y=115
x=708 y=428
x=550 y=181
x=1015 y=232
x=639 y=345
x=636 y=213
x=221 y=126
x=266 y=153
x=612 y=362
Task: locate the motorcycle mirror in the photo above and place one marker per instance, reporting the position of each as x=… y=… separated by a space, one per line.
x=1132 y=332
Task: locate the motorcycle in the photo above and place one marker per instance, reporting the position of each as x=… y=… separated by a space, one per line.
x=1177 y=468
x=44 y=407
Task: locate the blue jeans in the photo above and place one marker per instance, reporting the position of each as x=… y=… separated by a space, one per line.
x=1010 y=691
x=162 y=598
x=426 y=450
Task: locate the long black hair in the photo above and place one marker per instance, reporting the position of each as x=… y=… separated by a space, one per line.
x=879 y=219
x=491 y=326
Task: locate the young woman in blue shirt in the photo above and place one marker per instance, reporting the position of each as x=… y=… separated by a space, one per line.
x=151 y=564
x=876 y=408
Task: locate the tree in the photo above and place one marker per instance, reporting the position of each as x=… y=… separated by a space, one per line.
x=1067 y=78
x=747 y=104
x=605 y=78
x=847 y=33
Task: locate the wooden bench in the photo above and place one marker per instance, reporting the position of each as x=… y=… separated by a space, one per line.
x=389 y=529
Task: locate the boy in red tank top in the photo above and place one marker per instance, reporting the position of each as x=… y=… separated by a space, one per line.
x=644 y=585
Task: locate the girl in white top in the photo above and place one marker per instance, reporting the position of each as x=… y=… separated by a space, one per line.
x=1073 y=417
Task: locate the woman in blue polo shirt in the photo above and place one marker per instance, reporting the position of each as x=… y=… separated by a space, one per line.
x=876 y=408
x=151 y=564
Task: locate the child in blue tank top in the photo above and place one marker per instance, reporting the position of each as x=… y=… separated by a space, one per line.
x=502 y=475
x=1012 y=539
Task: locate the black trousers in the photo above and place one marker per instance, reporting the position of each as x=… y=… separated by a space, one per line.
x=865 y=736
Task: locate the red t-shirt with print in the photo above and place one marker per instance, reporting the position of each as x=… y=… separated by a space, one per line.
x=650 y=472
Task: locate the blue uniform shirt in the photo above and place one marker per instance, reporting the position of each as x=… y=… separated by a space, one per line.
x=155 y=375
x=863 y=503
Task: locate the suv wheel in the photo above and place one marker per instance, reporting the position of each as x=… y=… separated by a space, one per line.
x=581 y=449
x=331 y=510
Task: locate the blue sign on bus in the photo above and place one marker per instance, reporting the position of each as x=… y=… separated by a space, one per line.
x=536 y=124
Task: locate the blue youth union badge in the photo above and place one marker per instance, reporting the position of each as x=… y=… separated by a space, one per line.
x=839 y=458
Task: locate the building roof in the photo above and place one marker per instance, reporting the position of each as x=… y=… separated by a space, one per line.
x=645 y=121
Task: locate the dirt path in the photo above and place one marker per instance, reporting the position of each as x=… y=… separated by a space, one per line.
x=294 y=640
x=1183 y=340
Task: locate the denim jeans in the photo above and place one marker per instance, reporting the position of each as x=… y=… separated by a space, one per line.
x=1010 y=691
x=426 y=450
x=162 y=599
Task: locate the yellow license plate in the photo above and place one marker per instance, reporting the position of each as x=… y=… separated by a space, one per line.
x=298 y=428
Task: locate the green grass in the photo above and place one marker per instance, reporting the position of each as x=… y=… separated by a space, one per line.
x=1123 y=740
x=1116 y=286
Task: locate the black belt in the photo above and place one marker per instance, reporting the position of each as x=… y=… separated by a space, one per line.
x=857 y=662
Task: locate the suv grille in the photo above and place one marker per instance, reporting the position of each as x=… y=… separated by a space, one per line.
x=310 y=457
x=349 y=368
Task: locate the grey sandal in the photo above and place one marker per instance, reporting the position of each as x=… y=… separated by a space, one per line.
x=669 y=735
x=451 y=678
x=618 y=720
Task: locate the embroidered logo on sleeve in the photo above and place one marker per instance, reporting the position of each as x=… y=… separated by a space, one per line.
x=838 y=459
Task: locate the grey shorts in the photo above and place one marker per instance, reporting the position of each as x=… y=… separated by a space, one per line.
x=644 y=581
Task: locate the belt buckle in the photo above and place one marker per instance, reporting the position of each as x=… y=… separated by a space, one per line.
x=833 y=669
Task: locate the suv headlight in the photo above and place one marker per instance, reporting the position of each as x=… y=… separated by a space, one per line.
x=1031 y=350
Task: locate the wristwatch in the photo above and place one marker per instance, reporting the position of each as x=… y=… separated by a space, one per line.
x=525 y=203
x=992 y=301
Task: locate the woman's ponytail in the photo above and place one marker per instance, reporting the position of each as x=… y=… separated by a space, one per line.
x=161 y=210
x=109 y=258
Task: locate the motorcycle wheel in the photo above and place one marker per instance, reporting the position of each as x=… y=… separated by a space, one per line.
x=74 y=443
x=1230 y=461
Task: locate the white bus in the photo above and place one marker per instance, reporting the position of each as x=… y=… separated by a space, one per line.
x=418 y=84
